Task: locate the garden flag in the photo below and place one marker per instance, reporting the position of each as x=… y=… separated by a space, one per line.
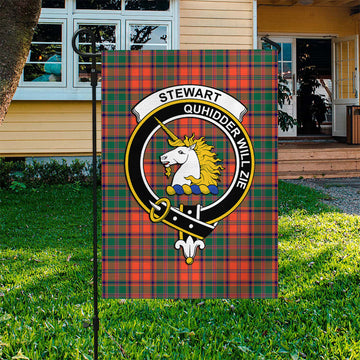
x=189 y=174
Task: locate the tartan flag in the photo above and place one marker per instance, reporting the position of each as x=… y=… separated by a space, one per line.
x=189 y=144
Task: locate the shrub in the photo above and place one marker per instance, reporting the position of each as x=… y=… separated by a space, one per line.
x=14 y=173
x=10 y=171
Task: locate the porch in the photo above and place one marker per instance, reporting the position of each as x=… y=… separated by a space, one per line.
x=319 y=59
x=320 y=157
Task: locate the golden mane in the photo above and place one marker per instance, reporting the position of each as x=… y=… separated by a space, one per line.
x=209 y=170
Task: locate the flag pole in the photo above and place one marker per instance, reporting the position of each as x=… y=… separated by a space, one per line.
x=92 y=55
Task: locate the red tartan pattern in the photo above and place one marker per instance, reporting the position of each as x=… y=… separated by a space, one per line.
x=240 y=257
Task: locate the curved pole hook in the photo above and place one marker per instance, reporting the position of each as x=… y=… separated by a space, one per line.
x=93 y=54
x=92 y=40
x=273 y=43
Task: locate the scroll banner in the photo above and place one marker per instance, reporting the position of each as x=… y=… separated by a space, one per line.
x=189 y=174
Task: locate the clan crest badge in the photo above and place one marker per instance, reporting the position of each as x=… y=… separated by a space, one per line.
x=190 y=199
x=189 y=174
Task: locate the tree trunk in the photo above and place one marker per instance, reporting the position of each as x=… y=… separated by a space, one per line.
x=18 y=19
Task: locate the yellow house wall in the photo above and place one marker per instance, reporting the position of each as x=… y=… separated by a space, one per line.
x=64 y=127
x=48 y=128
x=300 y=19
x=216 y=24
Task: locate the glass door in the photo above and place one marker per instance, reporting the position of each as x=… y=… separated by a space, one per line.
x=346 y=80
x=287 y=72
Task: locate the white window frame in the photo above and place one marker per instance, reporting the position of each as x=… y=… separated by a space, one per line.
x=146 y=23
x=71 y=88
x=52 y=84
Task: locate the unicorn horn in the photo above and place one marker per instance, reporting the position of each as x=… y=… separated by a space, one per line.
x=168 y=131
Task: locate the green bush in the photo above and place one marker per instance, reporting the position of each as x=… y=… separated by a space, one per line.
x=10 y=171
x=15 y=173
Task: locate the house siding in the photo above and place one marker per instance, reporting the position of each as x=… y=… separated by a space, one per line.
x=48 y=128
x=214 y=24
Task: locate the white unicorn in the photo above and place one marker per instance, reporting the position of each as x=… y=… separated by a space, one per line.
x=198 y=164
x=186 y=157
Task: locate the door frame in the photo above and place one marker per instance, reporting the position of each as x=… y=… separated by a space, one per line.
x=292 y=132
x=340 y=104
x=291 y=37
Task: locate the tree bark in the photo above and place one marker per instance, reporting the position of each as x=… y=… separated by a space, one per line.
x=18 y=20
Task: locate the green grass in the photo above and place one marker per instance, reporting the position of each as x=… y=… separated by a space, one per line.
x=46 y=290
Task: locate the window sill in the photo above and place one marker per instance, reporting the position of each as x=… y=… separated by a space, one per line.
x=51 y=94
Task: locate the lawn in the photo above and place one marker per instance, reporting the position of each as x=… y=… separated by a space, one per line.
x=46 y=290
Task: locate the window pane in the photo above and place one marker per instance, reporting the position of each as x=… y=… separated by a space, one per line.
x=50 y=71
x=103 y=33
x=99 y=4
x=148 y=37
x=105 y=36
x=47 y=33
x=99 y=48
x=159 y=5
x=287 y=70
x=286 y=51
x=44 y=63
x=53 y=4
x=85 y=72
x=43 y=52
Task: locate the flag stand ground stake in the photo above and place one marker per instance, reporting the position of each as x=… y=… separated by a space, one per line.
x=92 y=55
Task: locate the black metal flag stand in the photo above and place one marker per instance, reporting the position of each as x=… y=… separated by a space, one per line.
x=93 y=56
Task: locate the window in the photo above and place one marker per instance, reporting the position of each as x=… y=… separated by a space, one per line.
x=285 y=61
x=148 y=37
x=106 y=36
x=45 y=60
x=285 y=58
x=54 y=72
